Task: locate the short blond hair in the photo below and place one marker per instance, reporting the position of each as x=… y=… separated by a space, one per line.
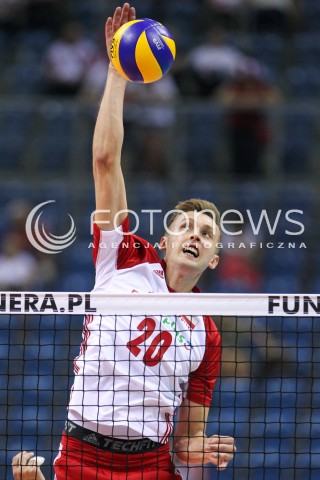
x=197 y=205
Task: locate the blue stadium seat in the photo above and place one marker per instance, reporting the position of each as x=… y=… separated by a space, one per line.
x=211 y=191
x=203 y=132
x=54 y=152
x=11 y=150
x=3 y=41
x=300 y=195
x=25 y=78
x=303 y=81
x=298 y=139
x=315 y=285
x=17 y=119
x=81 y=281
x=268 y=48
x=56 y=118
x=151 y=194
x=33 y=42
x=307 y=47
x=282 y=283
x=78 y=257
x=288 y=261
x=311 y=11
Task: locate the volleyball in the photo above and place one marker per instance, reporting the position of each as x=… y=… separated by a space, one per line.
x=142 y=50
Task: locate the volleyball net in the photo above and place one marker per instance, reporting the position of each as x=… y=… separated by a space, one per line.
x=267 y=395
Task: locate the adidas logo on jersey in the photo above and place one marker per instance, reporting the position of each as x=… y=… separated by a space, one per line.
x=92 y=439
x=160 y=273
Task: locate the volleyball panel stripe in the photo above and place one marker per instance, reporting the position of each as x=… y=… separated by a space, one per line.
x=160 y=49
x=150 y=23
x=147 y=64
x=163 y=31
x=127 y=50
x=171 y=45
x=116 y=44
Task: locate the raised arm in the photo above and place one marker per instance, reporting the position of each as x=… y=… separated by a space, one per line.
x=191 y=445
x=108 y=136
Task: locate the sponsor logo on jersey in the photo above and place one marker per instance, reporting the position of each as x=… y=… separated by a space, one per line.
x=180 y=337
x=190 y=321
x=92 y=439
x=160 y=273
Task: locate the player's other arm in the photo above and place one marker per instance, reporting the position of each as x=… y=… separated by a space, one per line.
x=192 y=446
x=108 y=137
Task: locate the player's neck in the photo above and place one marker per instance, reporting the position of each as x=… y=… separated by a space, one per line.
x=180 y=280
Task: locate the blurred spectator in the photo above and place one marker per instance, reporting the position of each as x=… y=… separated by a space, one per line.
x=273 y=15
x=17 y=266
x=240 y=268
x=46 y=14
x=239 y=273
x=151 y=115
x=11 y=15
x=45 y=272
x=215 y=61
x=67 y=60
x=222 y=12
x=246 y=98
x=252 y=350
x=94 y=80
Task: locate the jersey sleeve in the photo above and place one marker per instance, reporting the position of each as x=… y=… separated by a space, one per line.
x=118 y=249
x=106 y=246
x=202 y=381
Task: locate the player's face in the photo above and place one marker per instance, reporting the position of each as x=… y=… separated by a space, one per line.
x=191 y=241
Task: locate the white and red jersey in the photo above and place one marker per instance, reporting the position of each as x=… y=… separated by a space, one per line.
x=133 y=371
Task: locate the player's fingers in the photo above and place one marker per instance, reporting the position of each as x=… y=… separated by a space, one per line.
x=23 y=458
x=125 y=13
x=213 y=458
x=116 y=19
x=109 y=30
x=222 y=443
x=223 y=448
x=16 y=460
x=221 y=439
x=132 y=14
x=222 y=466
x=220 y=460
x=224 y=459
x=109 y=34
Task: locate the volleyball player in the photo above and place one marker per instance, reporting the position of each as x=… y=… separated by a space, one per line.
x=133 y=373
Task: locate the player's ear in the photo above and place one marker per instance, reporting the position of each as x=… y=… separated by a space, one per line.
x=163 y=243
x=214 y=262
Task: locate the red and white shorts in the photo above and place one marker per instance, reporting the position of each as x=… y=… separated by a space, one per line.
x=79 y=461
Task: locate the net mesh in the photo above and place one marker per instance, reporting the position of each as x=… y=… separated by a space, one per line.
x=267 y=395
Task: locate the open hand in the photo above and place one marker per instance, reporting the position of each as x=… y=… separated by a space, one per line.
x=121 y=16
